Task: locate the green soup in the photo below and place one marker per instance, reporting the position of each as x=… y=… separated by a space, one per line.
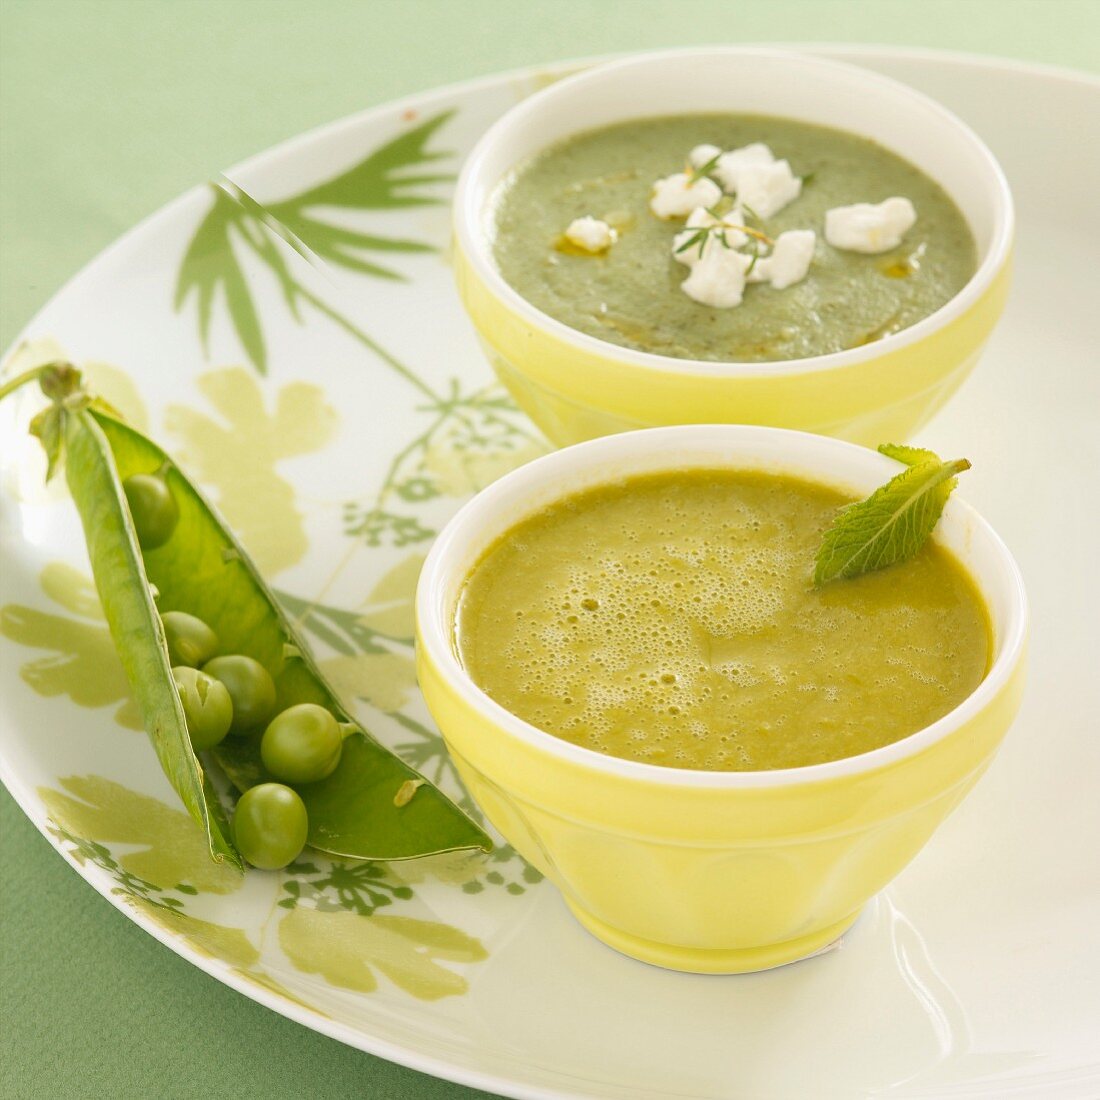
x=631 y=294
x=671 y=619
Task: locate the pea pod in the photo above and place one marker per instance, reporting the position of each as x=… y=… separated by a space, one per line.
x=202 y=570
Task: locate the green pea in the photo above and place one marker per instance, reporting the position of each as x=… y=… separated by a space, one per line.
x=206 y=706
x=190 y=641
x=270 y=826
x=302 y=744
x=153 y=508
x=250 y=687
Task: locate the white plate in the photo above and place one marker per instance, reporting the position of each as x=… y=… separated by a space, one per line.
x=976 y=974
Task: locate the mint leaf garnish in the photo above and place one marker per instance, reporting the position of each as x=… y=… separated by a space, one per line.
x=894 y=522
x=909 y=455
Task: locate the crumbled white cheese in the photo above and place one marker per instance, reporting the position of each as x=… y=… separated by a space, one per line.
x=719 y=261
x=788 y=262
x=766 y=188
x=730 y=165
x=702 y=154
x=718 y=279
x=675 y=196
x=591 y=234
x=700 y=218
x=867 y=227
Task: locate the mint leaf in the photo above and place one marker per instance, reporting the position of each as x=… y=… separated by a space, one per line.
x=894 y=522
x=909 y=455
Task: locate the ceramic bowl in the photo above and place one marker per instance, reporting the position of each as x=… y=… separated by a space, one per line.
x=711 y=871
x=576 y=387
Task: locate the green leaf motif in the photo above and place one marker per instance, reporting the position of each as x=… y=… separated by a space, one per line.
x=381 y=181
x=344 y=631
x=236 y=224
x=347 y=949
x=389 y=607
x=894 y=522
x=342 y=246
x=385 y=680
x=210 y=267
x=72 y=589
x=376 y=526
x=460 y=471
x=171 y=850
x=218 y=941
x=82 y=661
x=502 y=867
x=236 y=451
x=348 y=887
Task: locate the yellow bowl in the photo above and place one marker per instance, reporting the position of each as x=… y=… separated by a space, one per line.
x=716 y=872
x=576 y=387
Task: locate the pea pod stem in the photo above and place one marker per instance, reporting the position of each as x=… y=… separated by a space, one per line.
x=32 y=375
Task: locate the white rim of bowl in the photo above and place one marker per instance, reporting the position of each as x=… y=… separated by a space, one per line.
x=436 y=630
x=469 y=228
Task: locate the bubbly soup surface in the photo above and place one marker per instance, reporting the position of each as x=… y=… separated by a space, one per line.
x=671 y=618
x=631 y=294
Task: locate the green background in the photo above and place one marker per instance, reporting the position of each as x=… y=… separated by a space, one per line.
x=108 y=109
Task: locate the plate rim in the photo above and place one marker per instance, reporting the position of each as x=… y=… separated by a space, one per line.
x=24 y=796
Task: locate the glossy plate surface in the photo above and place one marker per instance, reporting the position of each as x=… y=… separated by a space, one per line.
x=333 y=402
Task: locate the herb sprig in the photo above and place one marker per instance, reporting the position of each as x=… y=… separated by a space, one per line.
x=895 y=521
x=694 y=175
x=699 y=235
x=755 y=243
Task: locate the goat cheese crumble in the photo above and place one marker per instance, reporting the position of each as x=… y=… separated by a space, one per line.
x=870 y=227
x=718 y=277
x=591 y=234
x=676 y=196
x=789 y=260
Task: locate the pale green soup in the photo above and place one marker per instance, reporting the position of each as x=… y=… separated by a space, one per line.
x=630 y=295
x=672 y=619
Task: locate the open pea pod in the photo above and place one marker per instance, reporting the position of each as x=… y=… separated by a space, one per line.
x=203 y=570
x=373 y=806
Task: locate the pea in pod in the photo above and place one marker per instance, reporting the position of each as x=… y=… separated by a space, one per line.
x=202 y=569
